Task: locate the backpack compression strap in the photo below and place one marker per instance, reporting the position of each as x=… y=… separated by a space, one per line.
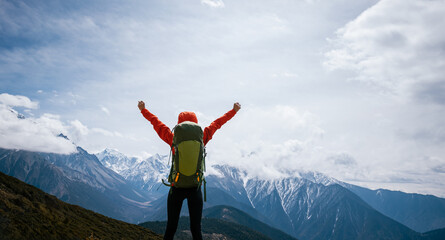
x=171 y=169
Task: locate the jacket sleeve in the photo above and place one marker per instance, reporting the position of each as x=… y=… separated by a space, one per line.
x=215 y=125
x=161 y=129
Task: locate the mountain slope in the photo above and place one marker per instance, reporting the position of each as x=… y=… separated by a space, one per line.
x=339 y=214
x=211 y=229
x=237 y=216
x=115 y=160
x=308 y=209
x=421 y=213
x=78 y=178
x=143 y=174
x=438 y=234
x=28 y=213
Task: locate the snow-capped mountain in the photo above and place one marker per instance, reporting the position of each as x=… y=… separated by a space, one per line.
x=307 y=205
x=148 y=174
x=77 y=178
x=144 y=174
x=116 y=161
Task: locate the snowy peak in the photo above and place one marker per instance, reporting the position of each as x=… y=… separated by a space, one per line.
x=157 y=162
x=227 y=171
x=110 y=155
x=78 y=178
x=281 y=198
x=115 y=160
x=63 y=136
x=84 y=167
x=107 y=152
x=319 y=178
x=151 y=169
x=144 y=174
x=240 y=175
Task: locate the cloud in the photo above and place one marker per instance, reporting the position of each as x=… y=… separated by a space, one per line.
x=396 y=45
x=105 y=110
x=106 y=132
x=41 y=133
x=78 y=130
x=32 y=134
x=439 y=168
x=269 y=141
x=285 y=75
x=213 y=3
x=397 y=48
x=431 y=92
x=342 y=159
x=17 y=101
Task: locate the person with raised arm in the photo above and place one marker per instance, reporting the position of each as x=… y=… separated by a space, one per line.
x=187 y=142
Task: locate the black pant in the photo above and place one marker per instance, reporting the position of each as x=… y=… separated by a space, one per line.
x=174 y=204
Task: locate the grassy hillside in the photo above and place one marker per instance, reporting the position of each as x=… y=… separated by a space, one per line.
x=28 y=213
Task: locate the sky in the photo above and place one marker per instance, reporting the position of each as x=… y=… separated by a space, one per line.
x=352 y=89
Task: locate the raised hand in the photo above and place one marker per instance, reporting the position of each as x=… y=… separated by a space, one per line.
x=141 y=105
x=236 y=106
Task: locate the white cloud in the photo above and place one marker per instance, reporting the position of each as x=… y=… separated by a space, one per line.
x=285 y=75
x=32 y=134
x=106 y=132
x=269 y=140
x=17 y=101
x=78 y=130
x=342 y=159
x=213 y=3
x=272 y=142
x=105 y=110
x=41 y=133
x=395 y=45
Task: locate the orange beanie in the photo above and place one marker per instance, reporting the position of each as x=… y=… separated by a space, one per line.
x=187 y=116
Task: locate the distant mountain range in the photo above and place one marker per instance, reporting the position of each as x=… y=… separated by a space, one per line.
x=421 y=213
x=28 y=213
x=290 y=204
x=305 y=205
x=308 y=209
x=78 y=178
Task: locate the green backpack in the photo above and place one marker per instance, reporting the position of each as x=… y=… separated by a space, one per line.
x=188 y=161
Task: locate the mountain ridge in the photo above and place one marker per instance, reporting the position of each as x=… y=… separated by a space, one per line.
x=234 y=181
x=27 y=212
x=237 y=216
x=307 y=205
x=77 y=178
x=421 y=213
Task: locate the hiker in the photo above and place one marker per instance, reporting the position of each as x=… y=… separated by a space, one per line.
x=177 y=194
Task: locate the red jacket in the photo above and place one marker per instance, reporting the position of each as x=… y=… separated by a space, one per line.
x=166 y=134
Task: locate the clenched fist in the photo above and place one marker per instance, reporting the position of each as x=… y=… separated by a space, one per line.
x=236 y=106
x=141 y=105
